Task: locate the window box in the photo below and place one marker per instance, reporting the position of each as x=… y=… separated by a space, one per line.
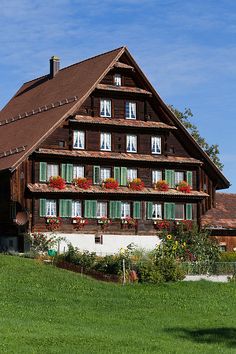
x=161 y=225
x=161 y=185
x=57 y=182
x=79 y=222
x=110 y=183
x=184 y=187
x=104 y=222
x=137 y=184
x=53 y=223
x=82 y=183
x=129 y=222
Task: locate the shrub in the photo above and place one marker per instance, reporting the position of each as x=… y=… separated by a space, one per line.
x=228 y=257
x=39 y=242
x=169 y=269
x=73 y=255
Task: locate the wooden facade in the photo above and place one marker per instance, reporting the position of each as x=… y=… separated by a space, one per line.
x=24 y=188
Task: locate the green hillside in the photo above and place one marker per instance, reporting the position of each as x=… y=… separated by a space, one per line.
x=49 y=310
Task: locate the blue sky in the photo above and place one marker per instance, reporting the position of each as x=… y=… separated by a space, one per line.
x=187 y=49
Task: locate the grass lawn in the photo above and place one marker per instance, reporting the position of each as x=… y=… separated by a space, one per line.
x=48 y=310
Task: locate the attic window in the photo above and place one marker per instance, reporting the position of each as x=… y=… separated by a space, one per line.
x=117 y=80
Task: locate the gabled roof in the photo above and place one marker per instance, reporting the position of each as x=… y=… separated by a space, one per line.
x=41 y=105
x=224 y=214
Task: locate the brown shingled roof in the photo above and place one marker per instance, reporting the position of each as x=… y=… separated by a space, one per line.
x=224 y=215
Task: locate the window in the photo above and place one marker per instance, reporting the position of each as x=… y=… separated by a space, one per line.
x=51 y=208
x=131 y=174
x=101 y=209
x=130 y=110
x=179 y=211
x=117 y=79
x=78 y=171
x=76 y=208
x=78 y=139
x=179 y=176
x=131 y=143
x=105 y=173
x=156 y=176
x=156 y=145
x=98 y=239
x=105 y=141
x=52 y=170
x=156 y=211
x=125 y=210
x=105 y=108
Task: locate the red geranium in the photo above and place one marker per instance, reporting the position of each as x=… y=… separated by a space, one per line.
x=57 y=182
x=137 y=184
x=53 y=223
x=162 y=225
x=184 y=187
x=161 y=185
x=111 y=183
x=82 y=182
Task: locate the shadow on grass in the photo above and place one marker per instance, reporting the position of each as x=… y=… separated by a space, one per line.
x=224 y=335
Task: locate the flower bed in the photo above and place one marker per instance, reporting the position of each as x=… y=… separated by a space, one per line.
x=184 y=187
x=137 y=184
x=82 y=182
x=110 y=183
x=53 y=223
x=57 y=182
x=161 y=185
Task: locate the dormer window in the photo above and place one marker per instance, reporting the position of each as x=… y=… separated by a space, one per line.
x=105 y=108
x=130 y=110
x=117 y=80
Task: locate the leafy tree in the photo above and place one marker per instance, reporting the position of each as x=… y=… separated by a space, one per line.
x=211 y=150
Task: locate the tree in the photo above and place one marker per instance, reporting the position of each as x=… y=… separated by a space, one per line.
x=211 y=150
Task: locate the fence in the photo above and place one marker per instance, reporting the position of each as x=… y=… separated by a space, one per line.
x=218 y=268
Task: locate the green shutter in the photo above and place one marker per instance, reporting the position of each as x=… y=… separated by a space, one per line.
x=115 y=209
x=42 y=207
x=149 y=210
x=96 y=174
x=137 y=210
x=169 y=211
x=90 y=209
x=118 y=210
x=87 y=208
x=69 y=173
x=93 y=208
x=65 y=208
x=117 y=174
x=189 y=178
x=43 y=172
x=189 y=212
x=170 y=178
x=111 y=209
x=63 y=171
x=123 y=179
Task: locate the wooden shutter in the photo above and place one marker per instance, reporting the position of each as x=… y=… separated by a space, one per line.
x=111 y=209
x=96 y=174
x=42 y=207
x=169 y=211
x=69 y=173
x=149 y=210
x=189 y=212
x=123 y=179
x=189 y=177
x=117 y=174
x=42 y=171
x=90 y=209
x=170 y=178
x=118 y=210
x=137 y=210
x=63 y=171
x=87 y=208
x=115 y=209
x=65 y=208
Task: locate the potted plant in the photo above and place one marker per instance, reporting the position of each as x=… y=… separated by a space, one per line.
x=53 y=223
x=79 y=222
x=57 y=182
x=129 y=222
x=161 y=185
x=104 y=222
x=110 y=183
x=136 y=184
x=184 y=187
x=82 y=182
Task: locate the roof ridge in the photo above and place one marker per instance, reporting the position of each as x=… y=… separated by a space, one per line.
x=79 y=62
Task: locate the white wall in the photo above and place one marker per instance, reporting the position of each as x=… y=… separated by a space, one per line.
x=111 y=243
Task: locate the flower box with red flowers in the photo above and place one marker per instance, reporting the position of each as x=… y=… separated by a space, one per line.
x=184 y=187
x=82 y=182
x=79 y=221
x=161 y=185
x=136 y=184
x=161 y=224
x=53 y=223
x=104 y=221
x=110 y=183
x=128 y=221
x=57 y=182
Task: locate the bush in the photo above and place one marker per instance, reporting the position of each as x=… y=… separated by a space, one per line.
x=73 y=255
x=228 y=257
x=39 y=242
x=169 y=269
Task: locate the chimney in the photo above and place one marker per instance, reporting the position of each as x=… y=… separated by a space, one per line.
x=54 y=66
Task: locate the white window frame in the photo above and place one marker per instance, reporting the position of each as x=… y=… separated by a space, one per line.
x=125 y=210
x=76 y=208
x=131 y=107
x=156 y=145
x=105 y=108
x=156 y=176
x=131 y=143
x=78 y=171
x=176 y=205
x=179 y=177
x=51 y=208
x=79 y=139
x=105 y=139
x=105 y=173
x=132 y=173
x=117 y=79
x=52 y=170
x=156 y=210
x=101 y=210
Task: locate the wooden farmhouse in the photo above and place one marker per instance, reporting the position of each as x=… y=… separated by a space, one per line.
x=98 y=124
